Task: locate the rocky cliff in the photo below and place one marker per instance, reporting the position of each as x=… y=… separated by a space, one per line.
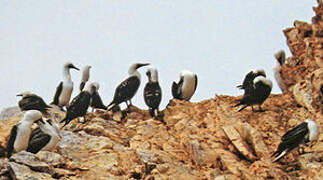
x=205 y=140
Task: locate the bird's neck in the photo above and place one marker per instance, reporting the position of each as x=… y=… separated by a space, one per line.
x=134 y=73
x=66 y=74
x=26 y=123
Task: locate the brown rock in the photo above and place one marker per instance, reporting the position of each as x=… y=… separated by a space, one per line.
x=21 y=172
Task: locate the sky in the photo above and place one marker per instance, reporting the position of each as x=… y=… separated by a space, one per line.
x=220 y=41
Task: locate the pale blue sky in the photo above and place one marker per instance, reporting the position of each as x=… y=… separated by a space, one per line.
x=219 y=40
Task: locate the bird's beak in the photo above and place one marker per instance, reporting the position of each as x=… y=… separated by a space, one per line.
x=75 y=67
x=141 y=65
x=19 y=94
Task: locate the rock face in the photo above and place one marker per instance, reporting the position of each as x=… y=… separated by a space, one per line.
x=206 y=140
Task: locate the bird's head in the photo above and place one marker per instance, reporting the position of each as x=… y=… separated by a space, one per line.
x=25 y=93
x=33 y=116
x=70 y=65
x=152 y=74
x=259 y=72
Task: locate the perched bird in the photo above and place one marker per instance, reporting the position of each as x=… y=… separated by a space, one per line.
x=20 y=133
x=31 y=101
x=281 y=58
x=152 y=92
x=96 y=101
x=45 y=137
x=305 y=132
x=128 y=88
x=79 y=104
x=186 y=86
x=64 y=90
x=247 y=84
x=258 y=93
x=85 y=76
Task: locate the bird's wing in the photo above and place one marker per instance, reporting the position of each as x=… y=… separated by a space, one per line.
x=127 y=89
x=97 y=101
x=35 y=132
x=195 y=76
x=247 y=80
x=79 y=105
x=297 y=132
x=11 y=140
x=57 y=93
x=175 y=90
x=33 y=102
x=38 y=142
x=82 y=86
x=152 y=94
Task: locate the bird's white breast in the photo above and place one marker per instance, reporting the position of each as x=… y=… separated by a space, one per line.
x=313 y=130
x=279 y=79
x=188 y=87
x=65 y=96
x=22 y=137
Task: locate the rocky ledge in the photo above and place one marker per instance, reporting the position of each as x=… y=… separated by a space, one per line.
x=204 y=140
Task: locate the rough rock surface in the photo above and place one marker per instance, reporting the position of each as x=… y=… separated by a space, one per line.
x=205 y=140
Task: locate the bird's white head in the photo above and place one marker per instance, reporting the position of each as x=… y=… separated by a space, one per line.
x=281 y=57
x=89 y=87
x=25 y=93
x=186 y=74
x=86 y=73
x=314 y=130
x=133 y=67
x=152 y=74
x=259 y=72
x=69 y=65
x=263 y=80
x=32 y=116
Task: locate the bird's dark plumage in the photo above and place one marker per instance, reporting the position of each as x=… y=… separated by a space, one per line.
x=96 y=101
x=78 y=107
x=125 y=91
x=291 y=139
x=57 y=93
x=37 y=142
x=176 y=89
x=11 y=140
x=152 y=96
x=33 y=102
x=256 y=95
x=248 y=81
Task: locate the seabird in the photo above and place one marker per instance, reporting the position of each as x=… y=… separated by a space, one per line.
x=248 y=80
x=64 y=90
x=79 y=104
x=186 y=86
x=305 y=132
x=152 y=92
x=259 y=92
x=20 y=133
x=281 y=58
x=45 y=137
x=96 y=101
x=85 y=76
x=128 y=88
x=31 y=101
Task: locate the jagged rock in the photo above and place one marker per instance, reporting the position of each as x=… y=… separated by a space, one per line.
x=51 y=158
x=22 y=172
x=312 y=165
x=9 y=112
x=30 y=160
x=4 y=167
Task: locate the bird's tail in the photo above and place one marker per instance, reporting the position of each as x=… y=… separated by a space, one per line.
x=111 y=106
x=278 y=155
x=66 y=120
x=243 y=107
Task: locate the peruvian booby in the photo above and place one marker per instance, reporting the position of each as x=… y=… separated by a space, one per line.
x=79 y=104
x=64 y=90
x=85 y=76
x=20 y=133
x=186 y=86
x=128 y=88
x=305 y=132
x=247 y=83
x=152 y=92
x=45 y=137
x=96 y=101
x=281 y=58
x=31 y=101
x=259 y=92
